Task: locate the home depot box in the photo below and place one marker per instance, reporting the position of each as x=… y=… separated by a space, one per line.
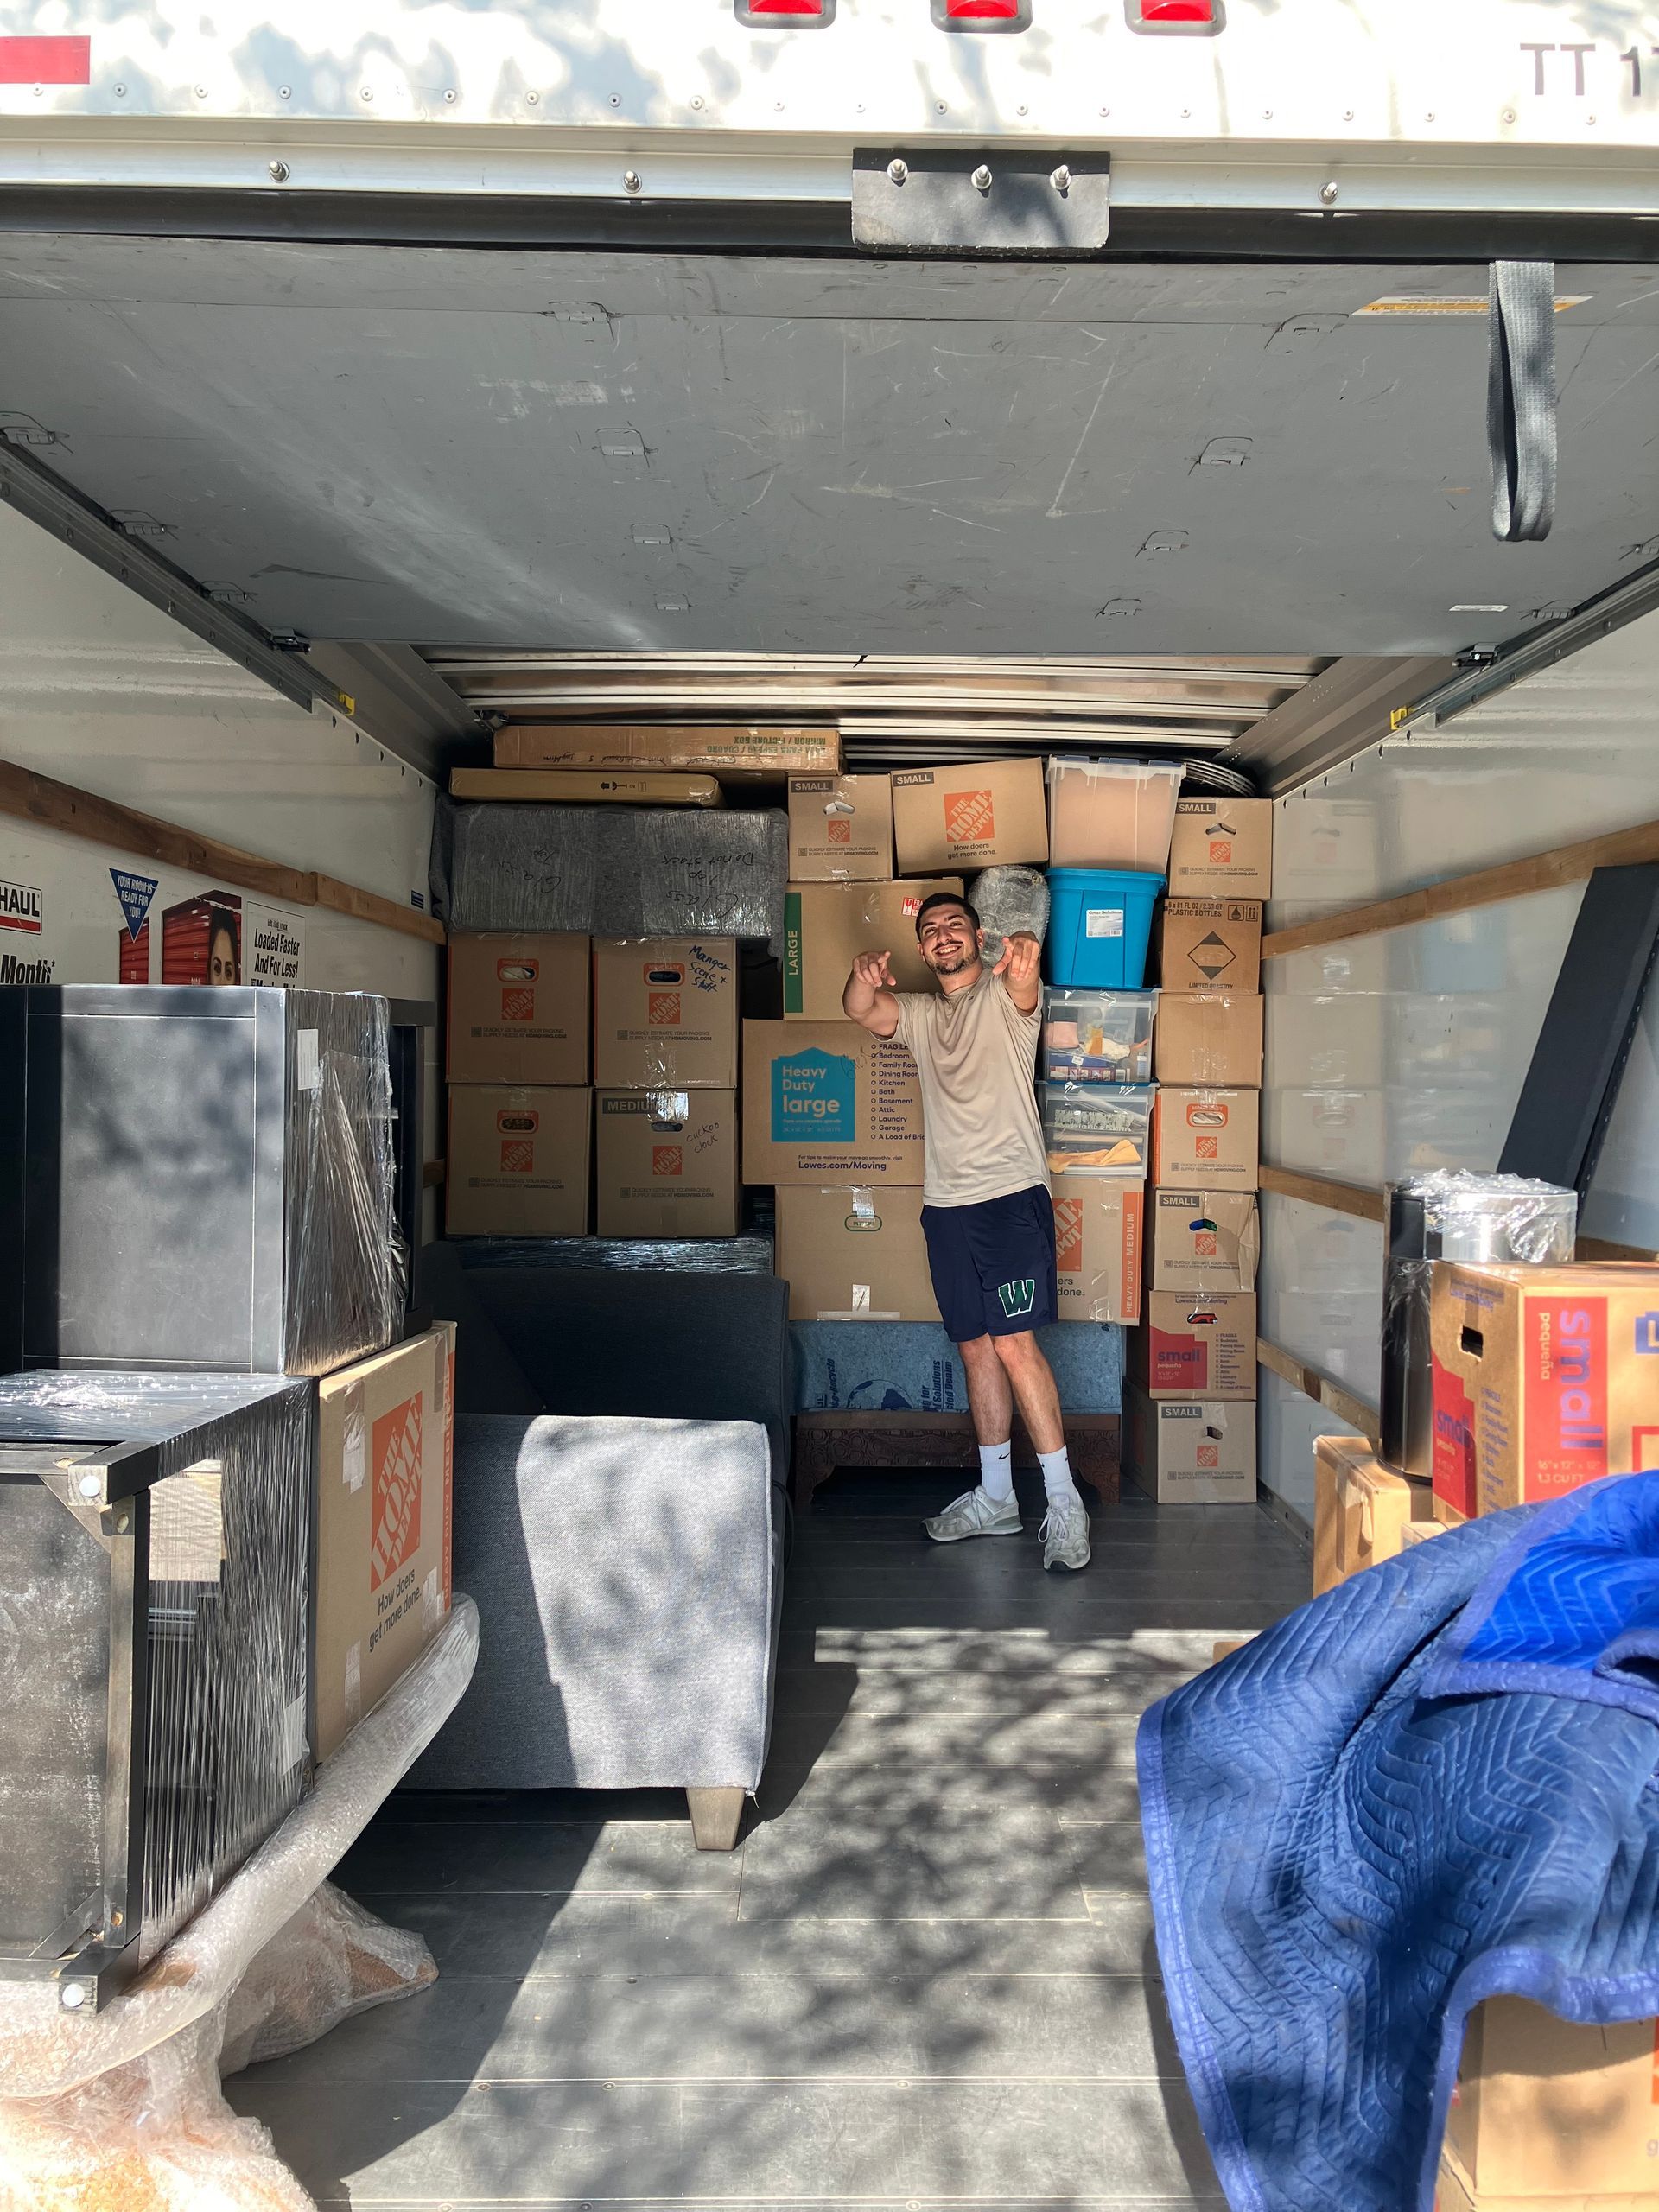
x=1543 y=1378
x=1208 y=944
x=855 y=1253
x=827 y=925
x=1548 y=2108
x=840 y=829
x=1209 y=1038
x=737 y=753
x=825 y=1102
x=1206 y=1241
x=1222 y=848
x=1098 y=1229
x=1205 y=1138
x=665 y=1014
x=987 y=815
x=520 y=1009
x=385 y=1466
x=1361 y=1510
x=665 y=1163
x=518 y=1160
x=1190 y=1451
x=1202 y=1347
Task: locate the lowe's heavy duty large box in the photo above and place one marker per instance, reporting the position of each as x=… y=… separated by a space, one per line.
x=155 y=1535
x=196 y=1179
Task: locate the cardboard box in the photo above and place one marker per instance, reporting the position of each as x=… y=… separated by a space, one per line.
x=1208 y=944
x=1544 y=1378
x=1098 y=1229
x=1204 y=1240
x=1548 y=2108
x=827 y=925
x=665 y=1014
x=586 y=787
x=736 y=752
x=840 y=829
x=1207 y=1038
x=1452 y=2194
x=989 y=814
x=826 y=1104
x=665 y=1163
x=1362 y=1510
x=1222 y=848
x=1206 y=1139
x=518 y=1160
x=1196 y=1348
x=1112 y=814
x=520 y=1009
x=385 y=1463
x=852 y=1254
x=1190 y=1451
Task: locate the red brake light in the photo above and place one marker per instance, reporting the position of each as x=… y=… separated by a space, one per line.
x=785 y=14
x=1202 y=13
x=981 y=15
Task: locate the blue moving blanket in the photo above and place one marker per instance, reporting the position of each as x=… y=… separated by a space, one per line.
x=1435 y=1784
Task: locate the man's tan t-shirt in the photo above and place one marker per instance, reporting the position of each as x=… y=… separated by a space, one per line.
x=975 y=1053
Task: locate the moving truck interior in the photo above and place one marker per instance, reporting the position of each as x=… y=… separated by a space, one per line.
x=1083 y=380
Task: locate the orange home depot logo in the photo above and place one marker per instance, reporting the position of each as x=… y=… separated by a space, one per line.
x=666 y=1159
x=969 y=817
x=1221 y=852
x=395 y=1443
x=1208 y=1455
x=518 y=977
x=1206 y=1118
x=1204 y=1245
x=663 y=1010
x=517 y=1131
x=838 y=831
x=1068 y=1236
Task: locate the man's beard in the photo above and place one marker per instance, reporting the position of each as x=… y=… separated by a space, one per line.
x=955 y=966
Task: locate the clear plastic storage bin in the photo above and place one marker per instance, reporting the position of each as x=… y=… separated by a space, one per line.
x=1094 y=1129
x=1113 y=814
x=1098 y=1036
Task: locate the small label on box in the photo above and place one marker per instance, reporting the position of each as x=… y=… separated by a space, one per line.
x=307 y=1073
x=1102 y=921
x=293 y=1733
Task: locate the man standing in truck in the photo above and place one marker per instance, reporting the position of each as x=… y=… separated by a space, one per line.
x=986 y=1210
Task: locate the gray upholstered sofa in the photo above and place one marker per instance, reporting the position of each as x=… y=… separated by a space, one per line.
x=621 y=1475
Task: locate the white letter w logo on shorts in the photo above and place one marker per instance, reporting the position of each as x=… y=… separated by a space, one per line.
x=1018 y=1297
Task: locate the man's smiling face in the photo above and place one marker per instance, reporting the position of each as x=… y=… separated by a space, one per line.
x=948 y=941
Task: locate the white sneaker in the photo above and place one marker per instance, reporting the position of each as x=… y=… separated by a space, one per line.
x=975 y=1513
x=1064 y=1533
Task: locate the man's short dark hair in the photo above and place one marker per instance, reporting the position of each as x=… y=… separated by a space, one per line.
x=946 y=898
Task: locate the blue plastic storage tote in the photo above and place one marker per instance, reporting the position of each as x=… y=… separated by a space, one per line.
x=1100 y=919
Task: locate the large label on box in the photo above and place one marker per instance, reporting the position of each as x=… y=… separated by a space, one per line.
x=813 y=1097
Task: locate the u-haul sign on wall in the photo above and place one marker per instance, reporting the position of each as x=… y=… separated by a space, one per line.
x=72 y=912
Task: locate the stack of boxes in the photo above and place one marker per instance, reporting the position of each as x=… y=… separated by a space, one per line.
x=1190 y=1410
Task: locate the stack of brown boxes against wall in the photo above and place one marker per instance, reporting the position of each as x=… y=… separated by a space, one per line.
x=518 y=1065
x=665 y=1032
x=832 y=1117
x=1190 y=1401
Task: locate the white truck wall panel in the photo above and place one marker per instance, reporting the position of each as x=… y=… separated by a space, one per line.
x=1499 y=74
x=1320 y=1290
x=1286 y=1424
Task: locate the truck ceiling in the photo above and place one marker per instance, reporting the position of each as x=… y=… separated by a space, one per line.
x=601 y=451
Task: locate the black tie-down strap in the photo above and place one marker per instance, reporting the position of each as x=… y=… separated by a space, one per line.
x=1521 y=399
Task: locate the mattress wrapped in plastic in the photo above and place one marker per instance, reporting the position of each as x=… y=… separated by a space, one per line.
x=201 y=1178
x=612 y=871
x=155 y=1545
x=697 y=1255
x=913 y=1367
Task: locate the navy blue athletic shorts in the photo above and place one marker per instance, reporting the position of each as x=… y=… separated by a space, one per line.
x=993 y=1264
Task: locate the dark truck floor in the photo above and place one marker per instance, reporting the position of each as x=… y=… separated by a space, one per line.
x=926 y=1978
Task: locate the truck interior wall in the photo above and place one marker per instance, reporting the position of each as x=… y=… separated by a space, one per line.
x=1408 y=1047
x=101 y=691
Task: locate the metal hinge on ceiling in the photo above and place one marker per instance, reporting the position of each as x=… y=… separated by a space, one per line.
x=945 y=199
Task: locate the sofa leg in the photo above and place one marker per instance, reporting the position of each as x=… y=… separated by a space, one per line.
x=716 y=1816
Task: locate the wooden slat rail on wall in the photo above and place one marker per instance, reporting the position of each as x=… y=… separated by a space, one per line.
x=1368 y=1206
x=28 y=796
x=1320 y=1387
x=1460 y=893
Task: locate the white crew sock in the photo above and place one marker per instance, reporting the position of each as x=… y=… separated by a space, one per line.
x=1057 y=1474
x=996 y=1471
